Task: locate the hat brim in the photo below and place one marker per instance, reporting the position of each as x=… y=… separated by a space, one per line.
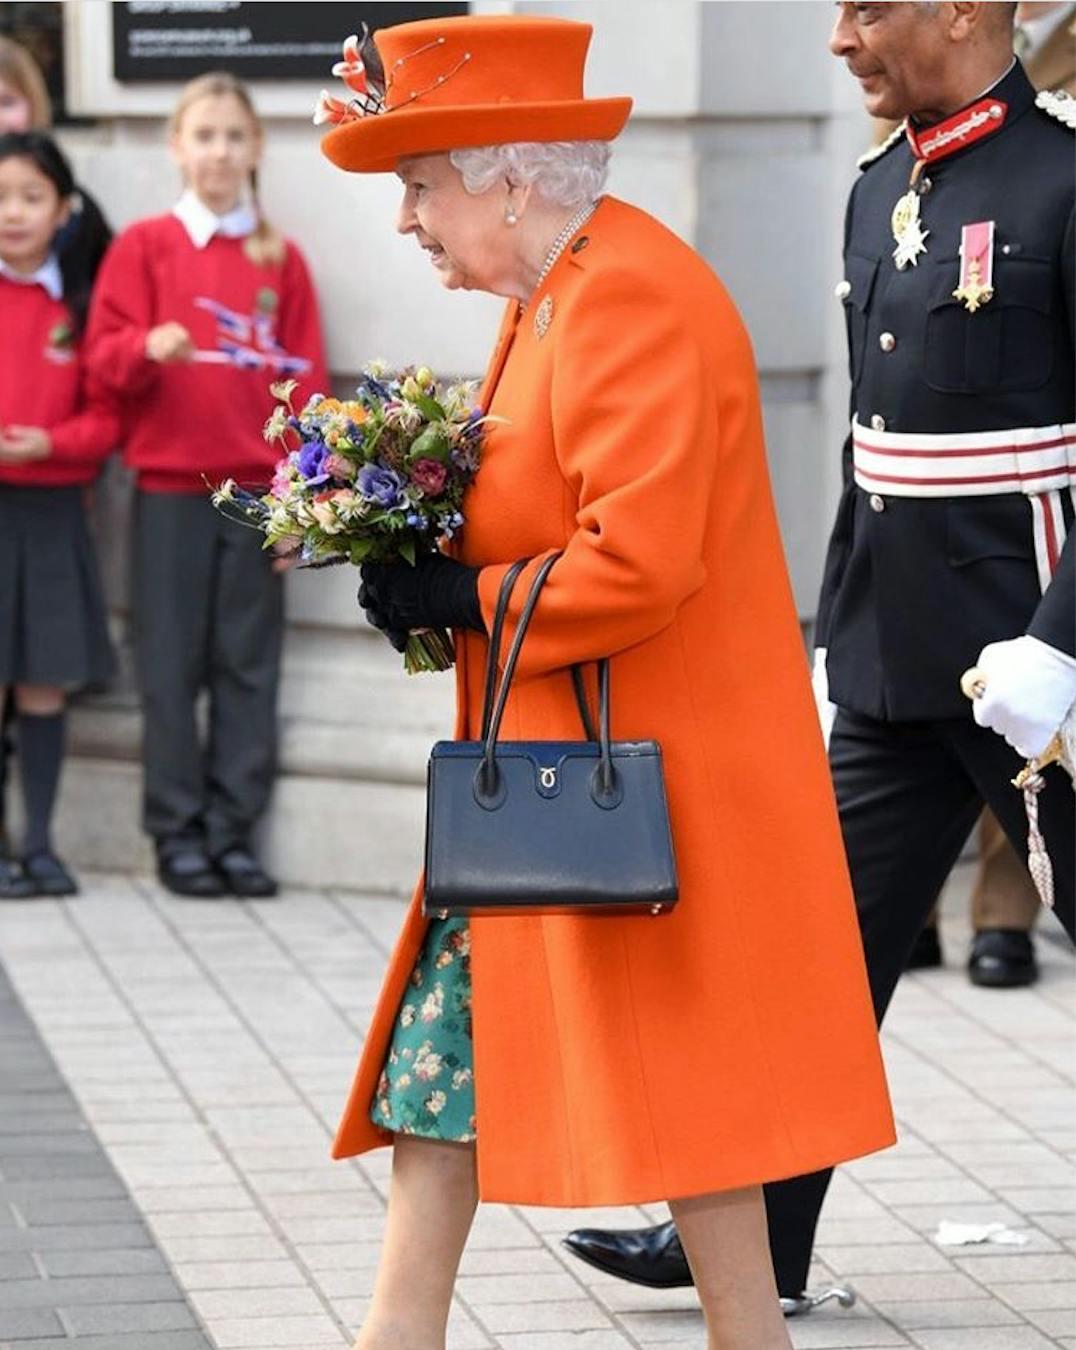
x=376 y=143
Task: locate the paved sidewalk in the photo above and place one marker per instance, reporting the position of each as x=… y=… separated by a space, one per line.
x=210 y=1046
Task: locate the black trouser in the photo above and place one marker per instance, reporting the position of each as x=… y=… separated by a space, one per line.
x=208 y=616
x=908 y=794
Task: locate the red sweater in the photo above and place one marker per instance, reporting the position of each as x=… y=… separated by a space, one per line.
x=188 y=419
x=44 y=383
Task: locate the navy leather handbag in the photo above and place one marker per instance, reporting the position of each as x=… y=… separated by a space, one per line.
x=546 y=827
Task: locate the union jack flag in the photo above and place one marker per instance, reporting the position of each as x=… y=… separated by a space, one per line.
x=248 y=341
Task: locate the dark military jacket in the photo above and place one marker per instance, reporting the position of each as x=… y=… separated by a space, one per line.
x=914 y=588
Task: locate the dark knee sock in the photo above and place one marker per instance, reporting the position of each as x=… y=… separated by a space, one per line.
x=40 y=752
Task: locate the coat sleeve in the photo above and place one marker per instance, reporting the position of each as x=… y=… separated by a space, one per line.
x=93 y=432
x=635 y=435
x=840 y=539
x=1054 y=622
x=299 y=330
x=837 y=550
x=122 y=312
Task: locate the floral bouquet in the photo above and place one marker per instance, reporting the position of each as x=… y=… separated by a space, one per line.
x=377 y=478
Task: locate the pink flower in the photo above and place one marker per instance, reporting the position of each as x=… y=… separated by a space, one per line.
x=330 y=109
x=281 y=484
x=429 y=475
x=351 y=69
x=339 y=466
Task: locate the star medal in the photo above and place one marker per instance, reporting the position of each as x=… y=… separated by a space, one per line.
x=976 y=265
x=908 y=231
x=267 y=300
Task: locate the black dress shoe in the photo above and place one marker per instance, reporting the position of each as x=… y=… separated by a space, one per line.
x=186 y=870
x=48 y=875
x=244 y=875
x=14 y=883
x=1002 y=958
x=650 y=1256
x=927 y=952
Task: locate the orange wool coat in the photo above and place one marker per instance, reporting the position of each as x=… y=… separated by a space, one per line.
x=628 y=1059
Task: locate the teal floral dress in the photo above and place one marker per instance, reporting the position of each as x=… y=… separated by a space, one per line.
x=427 y=1083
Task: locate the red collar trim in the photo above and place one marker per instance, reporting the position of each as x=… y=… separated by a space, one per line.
x=964 y=128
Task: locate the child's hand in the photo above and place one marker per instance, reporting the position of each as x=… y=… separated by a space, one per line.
x=169 y=342
x=23 y=445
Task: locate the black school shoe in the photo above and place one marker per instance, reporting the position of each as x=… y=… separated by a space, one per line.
x=1002 y=958
x=14 y=883
x=48 y=874
x=243 y=874
x=927 y=952
x=185 y=869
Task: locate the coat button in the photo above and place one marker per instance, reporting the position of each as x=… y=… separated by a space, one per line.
x=877 y=422
x=877 y=503
x=887 y=342
x=843 y=289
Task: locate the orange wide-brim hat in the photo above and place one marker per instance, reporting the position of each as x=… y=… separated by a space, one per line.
x=475 y=80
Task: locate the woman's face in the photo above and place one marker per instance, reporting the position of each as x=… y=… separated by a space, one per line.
x=31 y=211
x=465 y=236
x=15 y=111
x=217 y=146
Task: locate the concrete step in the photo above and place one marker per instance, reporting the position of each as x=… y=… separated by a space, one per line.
x=349 y=803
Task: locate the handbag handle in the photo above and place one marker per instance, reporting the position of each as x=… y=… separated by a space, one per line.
x=487 y=778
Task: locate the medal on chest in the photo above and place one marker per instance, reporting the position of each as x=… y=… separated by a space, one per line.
x=928 y=145
x=976 y=265
x=908 y=230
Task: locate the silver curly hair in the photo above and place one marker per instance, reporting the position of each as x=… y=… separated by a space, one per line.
x=568 y=173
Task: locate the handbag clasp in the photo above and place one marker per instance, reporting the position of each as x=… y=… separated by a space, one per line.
x=547 y=778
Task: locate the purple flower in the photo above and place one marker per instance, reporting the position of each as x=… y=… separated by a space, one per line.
x=379 y=485
x=312 y=457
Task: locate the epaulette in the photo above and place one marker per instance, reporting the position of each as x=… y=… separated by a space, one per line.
x=1056 y=103
x=877 y=151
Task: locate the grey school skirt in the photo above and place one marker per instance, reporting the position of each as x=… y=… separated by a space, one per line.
x=53 y=628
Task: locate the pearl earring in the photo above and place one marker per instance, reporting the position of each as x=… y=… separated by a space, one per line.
x=510 y=218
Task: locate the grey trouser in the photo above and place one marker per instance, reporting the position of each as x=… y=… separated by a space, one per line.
x=208 y=615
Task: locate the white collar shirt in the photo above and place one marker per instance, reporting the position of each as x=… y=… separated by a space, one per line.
x=48 y=276
x=202 y=224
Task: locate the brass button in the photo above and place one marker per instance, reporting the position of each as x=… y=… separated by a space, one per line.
x=843 y=289
x=877 y=422
x=887 y=342
x=877 y=503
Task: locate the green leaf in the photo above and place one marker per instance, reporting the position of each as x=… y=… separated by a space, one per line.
x=430 y=408
x=360 y=550
x=407 y=550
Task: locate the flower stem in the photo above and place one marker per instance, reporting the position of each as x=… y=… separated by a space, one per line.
x=428 y=651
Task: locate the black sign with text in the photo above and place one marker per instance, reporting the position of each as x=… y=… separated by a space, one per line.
x=254 y=39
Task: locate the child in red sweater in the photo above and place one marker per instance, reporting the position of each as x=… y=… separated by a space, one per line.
x=195 y=314
x=56 y=428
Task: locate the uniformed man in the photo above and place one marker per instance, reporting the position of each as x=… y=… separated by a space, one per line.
x=1004 y=903
x=949 y=544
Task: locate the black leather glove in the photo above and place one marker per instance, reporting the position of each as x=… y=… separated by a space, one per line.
x=437 y=592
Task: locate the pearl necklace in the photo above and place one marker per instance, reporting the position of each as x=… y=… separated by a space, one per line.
x=561 y=242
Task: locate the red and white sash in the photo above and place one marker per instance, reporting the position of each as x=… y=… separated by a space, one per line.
x=1039 y=462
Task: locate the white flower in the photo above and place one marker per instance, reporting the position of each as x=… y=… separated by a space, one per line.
x=434 y=1004
x=427 y=1063
x=435 y=1103
x=407 y=1015
x=460 y=1077
x=224 y=493
x=277 y=424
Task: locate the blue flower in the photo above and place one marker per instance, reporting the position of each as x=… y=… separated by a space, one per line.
x=379 y=485
x=312 y=457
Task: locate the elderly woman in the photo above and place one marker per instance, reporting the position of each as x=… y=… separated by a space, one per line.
x=580 y=1060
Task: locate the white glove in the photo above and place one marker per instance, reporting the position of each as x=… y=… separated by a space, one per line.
x=1030 y=686
x=827 y=711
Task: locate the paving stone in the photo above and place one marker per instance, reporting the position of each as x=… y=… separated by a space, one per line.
x=130 y=1317
x=266 y=1333
x=19 y=1324
x=134 y=1261
x=985 y=1338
